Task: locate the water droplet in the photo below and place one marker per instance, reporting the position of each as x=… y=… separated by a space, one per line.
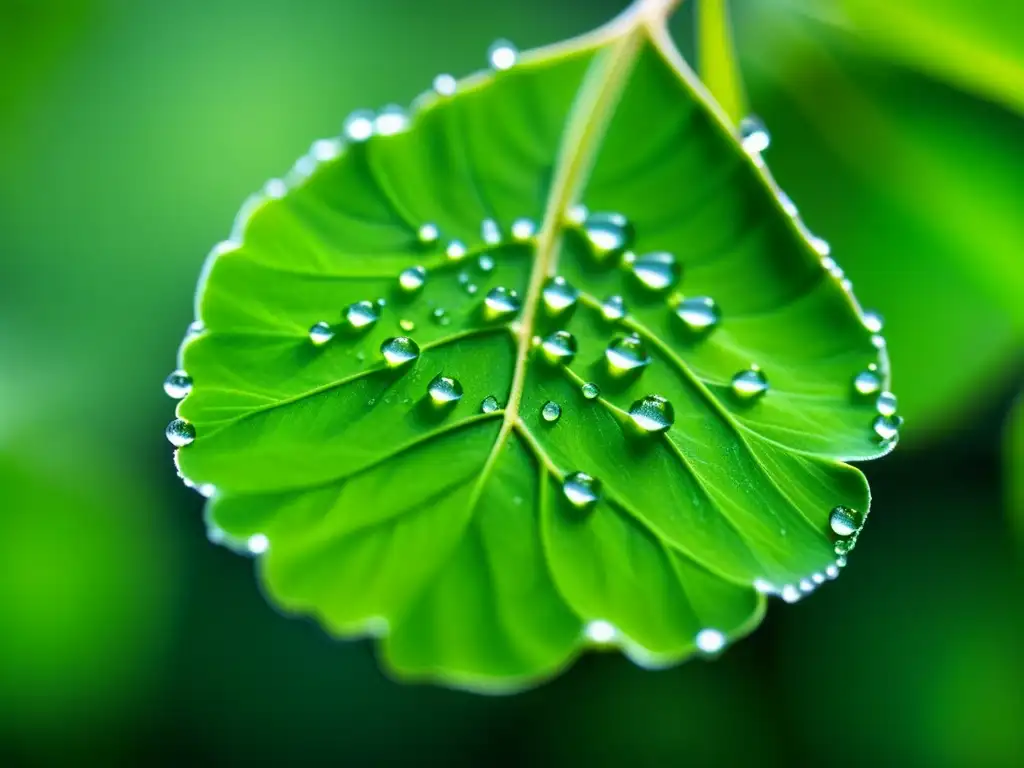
x=399 y=350
x=790 y=593
x=872 y=321
x=489 y=405
x=806 y=585
x=559 y=348
x=625 y=354
x=609 y=234
x=657 y=271
x=581 y=490
x=831 y=572
x=787 y=203
x=178 y=384
x=361 y=315
x=523 y=229
x=501 y=302
x=180 y=433
x=407 y=325
x=818 y=578
x=844 y=521
x=320 y=333
x=440 y=316
x=445 y=85
x=444 y=390
x=600 y=631
x=559 y=295
x=195 y=328
x=613 y=308
x=577 y=214
x=841 y=562
x=412 y=279
x=455 y=250
x=489 y=232
x=886 y=404
x=463 y=278
x=749 y=384
x=699 y=313
x=391 y=120
x=887 y=427
x=710 y=640
x=878 y=341
x=753 y=135
x=843 y=547
x=257 y=544
x=551 y=412
x=359 y=125
x=275 y=189
x=207 y=490
x=428 y=233
x=652 y=414
x=471 y=289
x=485 y=262
x=590 y=390
x=764 y=587
x=824 y=249
x=381 y=303
x=502 y=54
x=867 y=383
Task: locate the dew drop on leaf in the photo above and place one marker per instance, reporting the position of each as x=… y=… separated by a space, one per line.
x=359 y=125
x=455 y=250
x=749 y=384
x=559 y=348
x=391 y=120
x=320 y=333
x=559 y=295
x=613 y=308
x=823 y=249
x=754 y=135
x=590 y=390
x=609 y=234
x=257 y=544
x=886 y=404
x=502 y=55
x=180 y=433
x=657 y=271
x=843 y=547
x=867 y=383
x=551 y=412
x=485 y=262
x=428 y=233
x=178 y=384
x=625 y=354
x=844 y=521
x=195 y=328
x=523 y=229
x=407 y=325
x=698 y=313
x=652 y=413
x=710 y=640
x=444 y=390
x=489 y=404
x=576 y=215
x=831 y=572
x=887 y=427
x=581 y=490
x=501 y=303
x=412 y=279
x=787 y=203
x=872 y=321
x=440 y=316
x=445 y=85
x=399 y=350
x=362 y=315
x=489 y=232
x=790 y=593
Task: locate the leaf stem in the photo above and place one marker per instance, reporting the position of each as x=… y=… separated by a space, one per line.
x=716 y=58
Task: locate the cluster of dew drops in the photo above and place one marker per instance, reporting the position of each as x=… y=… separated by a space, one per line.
x=609 y=235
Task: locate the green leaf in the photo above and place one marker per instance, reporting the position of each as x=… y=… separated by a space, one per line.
x=1014 y=449
x=718 y=67
x=459 y=531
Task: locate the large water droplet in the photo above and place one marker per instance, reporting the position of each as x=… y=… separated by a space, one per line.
x=710 y=640
x=428 y=233
x=657 y=271
x=444 y=390
x=257 y=544
x=581 y=490
x=559 y=348
x=749 y=384
x=502 y=55
x=754 y=135
x=652 y=414
x=361 y=315
x=613 y=308
x=412 y=279
x=822 y=247
x=320 y=333
x=551 y=411
x=559 y=295
x=625 y=354
x=399 y=350
x=872 y=321
x=698 y=313
x=489 y=405
x=523 y=229
x=590 y=390
x=844 y=521
x=180 y=433
x=178 y=384
x=867 y=382
x=609 y=234
x=886 y=404
x=501 y=303
x=489 y=232
x=887 y=427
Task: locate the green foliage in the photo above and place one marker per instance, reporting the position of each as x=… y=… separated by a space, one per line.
x=389 y=499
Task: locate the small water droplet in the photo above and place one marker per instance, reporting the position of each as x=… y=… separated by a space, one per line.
x=275 y=189
x=843 y=547
x=381 y=303
x=489 y=404
x=657 y=271
x=428 y=233
x=590 y=390
x=501 y=303
x=652 y=413
x=581 y=490
x=207 y=490
x=559 y=295
x=886 y=404
x=390 y=120
x=412 y=279
x=806 y=585
x=749 y=384
x=753 y=135
x=822 y=247
x=787 y=203
x=831 y=572
x=485 y=262
x=399 y=350
x=577 y=214
x=359 y=125
x=625 y=354
x=887 y=427
x=455 y=250
x=463 y=278
x=257 y=544
x=362 y=315
x=407 y=325
x=867 y=383
x=502 y=55
x=608 y=234
x=764 y=587
x=710 y=640
x=444 y=390
x=472 y=288
x=872 y=321
x=841 y=562
x=523 y=229
x=440 y=316
x=489 y=232
x=600 y=631
x=180 y=433
x=844 y=521
x=178 y=384
x=790 y=593
x=559 y=348
x=320 y=333
x=195 y=328
x=551 y=412
x=698 y=313
x=445 y=85
x=878 y=341
x=613 y=308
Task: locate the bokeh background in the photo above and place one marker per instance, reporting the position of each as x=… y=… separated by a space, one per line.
x=130 y=132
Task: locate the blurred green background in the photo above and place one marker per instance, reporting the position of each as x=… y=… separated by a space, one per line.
x=130 y=132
